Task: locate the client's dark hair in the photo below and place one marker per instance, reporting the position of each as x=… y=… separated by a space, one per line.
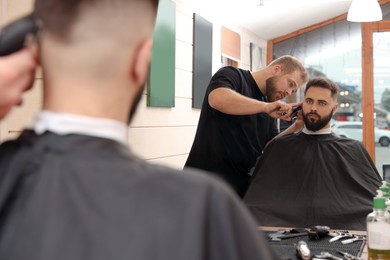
x=322 y=82
x=58 y=16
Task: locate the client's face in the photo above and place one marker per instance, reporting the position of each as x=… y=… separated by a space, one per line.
x=318 y=108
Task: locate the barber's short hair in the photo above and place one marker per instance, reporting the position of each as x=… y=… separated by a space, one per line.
x=290 y=64
x=58 y=16
x=322 y=82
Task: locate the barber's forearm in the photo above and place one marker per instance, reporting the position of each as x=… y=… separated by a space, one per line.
x=292 y=129
x=230 y=102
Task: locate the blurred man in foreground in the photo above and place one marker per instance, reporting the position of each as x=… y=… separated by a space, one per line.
x=70 y=188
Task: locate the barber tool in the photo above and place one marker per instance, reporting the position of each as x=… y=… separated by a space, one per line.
x=353 y=239
x=327 y=255
x=318 y=232
x=339 y=235
x=279 y=235
x=303 y=250
x=349 y=256
x=294 y=112
x=13 y=36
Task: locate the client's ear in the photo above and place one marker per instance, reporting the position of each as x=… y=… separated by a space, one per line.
x=336 y=106
x=141 y=62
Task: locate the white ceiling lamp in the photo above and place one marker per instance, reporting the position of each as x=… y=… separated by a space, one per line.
x=364 y=11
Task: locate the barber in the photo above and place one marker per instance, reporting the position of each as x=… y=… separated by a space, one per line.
x=238 y=118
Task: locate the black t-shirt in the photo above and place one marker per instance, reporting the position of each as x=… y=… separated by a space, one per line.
x=229 y=145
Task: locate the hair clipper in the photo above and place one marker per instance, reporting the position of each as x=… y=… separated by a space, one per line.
x=294 y=112
x=13 y=36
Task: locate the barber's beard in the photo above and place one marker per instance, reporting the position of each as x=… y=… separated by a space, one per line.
x=318 y=124
x=270 y=88
x=136 y=101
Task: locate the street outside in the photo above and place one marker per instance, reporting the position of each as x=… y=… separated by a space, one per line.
x=382 y=156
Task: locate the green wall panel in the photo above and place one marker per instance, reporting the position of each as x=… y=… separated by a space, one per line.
x=161 y=83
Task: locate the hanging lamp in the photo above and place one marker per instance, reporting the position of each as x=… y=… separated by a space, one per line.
x=364 y=11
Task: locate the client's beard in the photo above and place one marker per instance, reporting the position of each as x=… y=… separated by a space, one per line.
x=316 y=125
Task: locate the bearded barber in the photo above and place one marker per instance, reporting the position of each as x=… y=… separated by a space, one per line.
x=238 y=118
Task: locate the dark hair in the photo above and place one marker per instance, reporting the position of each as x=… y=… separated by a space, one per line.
x=58 y=16
x=322 y=82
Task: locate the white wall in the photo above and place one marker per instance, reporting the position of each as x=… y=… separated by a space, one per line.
x=163 y=135
x=159 y=135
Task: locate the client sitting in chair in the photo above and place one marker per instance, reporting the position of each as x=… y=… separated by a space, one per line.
x=321 y=178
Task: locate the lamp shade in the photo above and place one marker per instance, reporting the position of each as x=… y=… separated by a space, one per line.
x=364 y=11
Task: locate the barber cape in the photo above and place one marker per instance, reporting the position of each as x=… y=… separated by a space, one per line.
x=305 y=180
x=81 y=197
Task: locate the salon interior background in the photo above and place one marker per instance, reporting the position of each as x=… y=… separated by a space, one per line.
x=164 y=134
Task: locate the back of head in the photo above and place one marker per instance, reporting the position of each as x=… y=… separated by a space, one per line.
x=325 y=83
x=95 y=52
x=93 y=33
x=60 y=17
x=290 y=64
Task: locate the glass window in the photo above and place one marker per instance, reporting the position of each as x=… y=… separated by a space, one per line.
x=381 y=47
x=333 y=51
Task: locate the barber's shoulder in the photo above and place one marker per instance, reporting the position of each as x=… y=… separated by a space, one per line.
x=228 y=71
x=347 y=140
x=349 y=143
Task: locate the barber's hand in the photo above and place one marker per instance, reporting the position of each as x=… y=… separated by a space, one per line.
x=279 y=109
x=299 y=124
x=17 y=74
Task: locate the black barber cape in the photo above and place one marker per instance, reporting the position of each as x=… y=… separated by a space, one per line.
x=306 y=180
x=85 y=198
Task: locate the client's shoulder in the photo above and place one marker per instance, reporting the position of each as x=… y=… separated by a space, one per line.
x=346 y=140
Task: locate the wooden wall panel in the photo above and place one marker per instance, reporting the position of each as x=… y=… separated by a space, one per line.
x=230 y=44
